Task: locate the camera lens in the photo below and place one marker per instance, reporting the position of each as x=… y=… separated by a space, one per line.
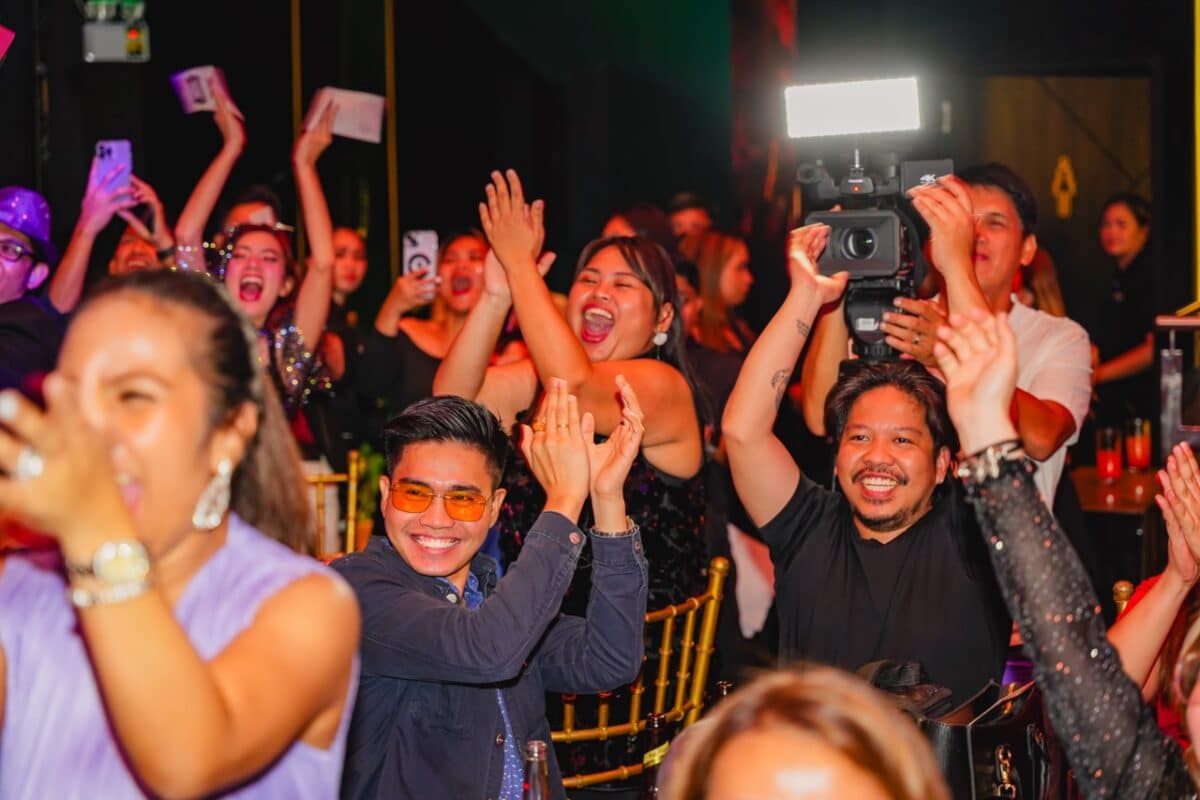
x=860 y=243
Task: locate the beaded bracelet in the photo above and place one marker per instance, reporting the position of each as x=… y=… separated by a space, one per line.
x=984 y=464
x=632 y=529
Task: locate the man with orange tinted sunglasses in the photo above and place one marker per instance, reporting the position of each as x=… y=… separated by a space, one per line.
x=455 y=664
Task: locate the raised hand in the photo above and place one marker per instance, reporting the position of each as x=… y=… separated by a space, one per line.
x=978 y=356
x=228 y=118
x=555 y=450
x=1180 y=504
x=812 y=239
x=914 y=333
x=495 y=281
x=514 y=228
x=316 y=138
x=157 y=233
x=802 y=267
x=104 y=198
x=611 y=460
x=946 y=206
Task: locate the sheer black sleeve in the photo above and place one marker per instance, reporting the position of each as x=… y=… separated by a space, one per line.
x=1111 y=737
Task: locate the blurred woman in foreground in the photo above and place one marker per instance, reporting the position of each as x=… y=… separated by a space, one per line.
x=176 y=644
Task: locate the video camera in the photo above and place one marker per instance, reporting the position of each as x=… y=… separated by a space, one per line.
x=875 y=238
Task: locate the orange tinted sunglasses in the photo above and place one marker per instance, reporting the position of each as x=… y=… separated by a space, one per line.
x=461 y=504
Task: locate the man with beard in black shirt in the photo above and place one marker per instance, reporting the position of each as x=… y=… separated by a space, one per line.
x=888 y=567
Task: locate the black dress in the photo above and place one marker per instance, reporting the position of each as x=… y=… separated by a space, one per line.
x=670 y=513
x=1110 y=735
x=669 y=510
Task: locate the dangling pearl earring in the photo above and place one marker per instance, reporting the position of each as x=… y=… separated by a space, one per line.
x=214 y=500
x=660 y=339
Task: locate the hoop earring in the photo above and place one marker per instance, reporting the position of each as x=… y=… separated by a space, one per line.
x=214 y=500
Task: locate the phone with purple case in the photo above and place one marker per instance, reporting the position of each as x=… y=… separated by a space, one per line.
x=111 y=153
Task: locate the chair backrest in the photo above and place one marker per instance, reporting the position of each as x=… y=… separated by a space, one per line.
x=1122 y=591
x=677 y=693
x=320 y=485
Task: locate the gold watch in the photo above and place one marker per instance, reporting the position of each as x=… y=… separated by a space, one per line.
x=121 y=561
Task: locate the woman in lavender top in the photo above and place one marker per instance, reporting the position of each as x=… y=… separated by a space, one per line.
x=175 y=644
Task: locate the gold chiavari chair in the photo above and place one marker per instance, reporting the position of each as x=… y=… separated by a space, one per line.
x=680 y=700
x=321 y=484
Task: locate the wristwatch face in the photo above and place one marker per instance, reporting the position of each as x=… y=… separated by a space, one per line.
x=123 y=561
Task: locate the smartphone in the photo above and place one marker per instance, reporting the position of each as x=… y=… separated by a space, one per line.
x=420 y=251
x=109 y=154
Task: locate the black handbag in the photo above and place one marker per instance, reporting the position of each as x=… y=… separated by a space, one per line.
x=999 y=746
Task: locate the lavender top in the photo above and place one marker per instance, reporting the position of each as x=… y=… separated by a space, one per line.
x=56 y=740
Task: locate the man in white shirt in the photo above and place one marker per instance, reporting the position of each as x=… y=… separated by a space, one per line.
x=981 y=232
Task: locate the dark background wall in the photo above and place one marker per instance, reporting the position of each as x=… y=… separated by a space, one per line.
x=597 y=103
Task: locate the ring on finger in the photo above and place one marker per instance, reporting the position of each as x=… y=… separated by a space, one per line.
x=30 y=464
x=538 y=425
x=916 y=338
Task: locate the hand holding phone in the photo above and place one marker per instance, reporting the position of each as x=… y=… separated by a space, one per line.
x=113 y=163
x=108 y=189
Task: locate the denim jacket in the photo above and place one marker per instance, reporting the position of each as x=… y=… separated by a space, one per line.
x=426 y=723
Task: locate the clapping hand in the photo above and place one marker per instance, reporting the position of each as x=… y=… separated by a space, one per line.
x=514 y=228
x=555 y=450
x=611 y=460
x=978 y=356
x=802 y=268
x=1180 y=504
x=495 y=281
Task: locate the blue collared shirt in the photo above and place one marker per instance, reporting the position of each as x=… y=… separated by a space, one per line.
x=511 y=783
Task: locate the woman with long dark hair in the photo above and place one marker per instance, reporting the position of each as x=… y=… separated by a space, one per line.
x=176 y=643
x=622 y=319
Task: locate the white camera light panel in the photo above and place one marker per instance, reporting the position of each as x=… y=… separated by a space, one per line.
x=854 y=107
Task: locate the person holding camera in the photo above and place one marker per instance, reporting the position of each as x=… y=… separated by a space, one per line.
x=981 y=225
x=881 y=569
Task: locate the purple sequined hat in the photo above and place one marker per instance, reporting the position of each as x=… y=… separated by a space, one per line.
x=27 y=212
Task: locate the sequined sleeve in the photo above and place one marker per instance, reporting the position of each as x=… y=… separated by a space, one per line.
x=1110 y=736
x=292 y=363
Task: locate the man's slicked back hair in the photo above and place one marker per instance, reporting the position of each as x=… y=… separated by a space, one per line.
x=447 y=419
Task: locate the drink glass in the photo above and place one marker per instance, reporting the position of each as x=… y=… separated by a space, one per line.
x=1137 y=444
x=1108 y=454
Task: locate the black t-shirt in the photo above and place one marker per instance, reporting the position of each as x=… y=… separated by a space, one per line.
x=30 y=335
x=1126 y=316
x=929 y=595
